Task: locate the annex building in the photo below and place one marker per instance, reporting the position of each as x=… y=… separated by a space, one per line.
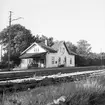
x=41 y=55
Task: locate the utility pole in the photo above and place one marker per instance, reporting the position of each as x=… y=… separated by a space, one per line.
x=9 y=35
x=101 y=59
x=1 y=51
x=9 y=45
x=101 y=54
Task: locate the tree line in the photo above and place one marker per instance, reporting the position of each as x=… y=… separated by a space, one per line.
x=21 y=38
x=85 y=56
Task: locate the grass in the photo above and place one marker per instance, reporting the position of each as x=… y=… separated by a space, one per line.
x=88 y=92
x=85 y=92
x=40 y=96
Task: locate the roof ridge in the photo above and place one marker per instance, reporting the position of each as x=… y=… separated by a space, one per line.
x=28 y=48
x=69 y=51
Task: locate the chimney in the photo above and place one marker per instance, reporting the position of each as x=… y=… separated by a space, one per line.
x=45 y=42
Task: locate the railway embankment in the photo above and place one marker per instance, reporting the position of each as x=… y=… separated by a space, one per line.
x=26 y=73
x=33 y=81
x=86 y=87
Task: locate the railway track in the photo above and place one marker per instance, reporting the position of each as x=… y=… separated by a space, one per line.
x=20 y=74
x=12 y=75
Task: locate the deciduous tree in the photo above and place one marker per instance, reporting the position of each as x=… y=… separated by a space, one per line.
x=83 y=47
x=21 y=38
x=71 y=46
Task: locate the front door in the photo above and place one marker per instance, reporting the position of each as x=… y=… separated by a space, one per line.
x=59 y=61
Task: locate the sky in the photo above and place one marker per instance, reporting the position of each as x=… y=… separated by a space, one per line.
x=68 y=20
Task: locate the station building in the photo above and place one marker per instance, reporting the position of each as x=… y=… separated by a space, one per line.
x=41 y=55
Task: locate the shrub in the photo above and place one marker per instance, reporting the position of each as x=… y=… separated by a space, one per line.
x=88 y=92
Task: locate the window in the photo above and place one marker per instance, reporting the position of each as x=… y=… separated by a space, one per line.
x=53 y=59
x=56 y=62
x=59 y=60
x=36 y=50
x=70 y=60
x=65 y=59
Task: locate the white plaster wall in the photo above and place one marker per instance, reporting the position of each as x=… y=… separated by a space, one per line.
x=72 y=57
x=62 y=56
x=73 y=60
x=49 y=60
x=24 y=63
x=68 y=57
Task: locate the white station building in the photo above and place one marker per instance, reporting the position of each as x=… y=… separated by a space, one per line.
x=41 y=55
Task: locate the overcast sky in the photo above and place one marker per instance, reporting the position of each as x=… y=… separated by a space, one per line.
x=69 y=20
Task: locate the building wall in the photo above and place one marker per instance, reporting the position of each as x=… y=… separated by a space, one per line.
x=70 y=60
x=60 y=58
x=49 y=60
x=52 y=59
x=24 y=63
x=35 y=49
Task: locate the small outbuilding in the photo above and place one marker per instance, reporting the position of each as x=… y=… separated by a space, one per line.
x=41 y=55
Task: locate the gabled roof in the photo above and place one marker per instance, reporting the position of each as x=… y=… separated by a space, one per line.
x=47 y=48
x=57 y=44
x=28 y=48
x=52 y=49
x=69 y=51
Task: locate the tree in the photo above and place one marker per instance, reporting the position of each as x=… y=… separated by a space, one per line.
x=21 y=38
x=50 y=41
x=42 y=38
x=71 y=46
x=83 y=47
x=83 y=51
x=38 y=39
